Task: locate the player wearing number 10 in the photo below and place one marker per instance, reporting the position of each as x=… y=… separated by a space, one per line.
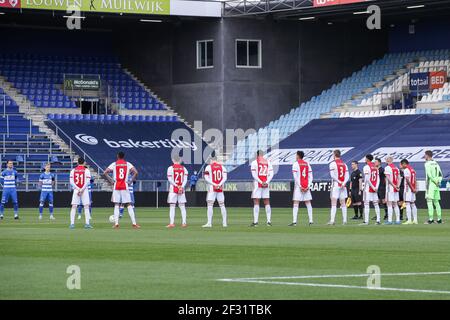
x=79 y=180
x=215 y=176
x=121 y=170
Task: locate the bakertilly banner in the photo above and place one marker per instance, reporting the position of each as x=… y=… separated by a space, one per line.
x=160 y=7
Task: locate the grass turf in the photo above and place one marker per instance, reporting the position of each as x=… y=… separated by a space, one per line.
x=157 y=263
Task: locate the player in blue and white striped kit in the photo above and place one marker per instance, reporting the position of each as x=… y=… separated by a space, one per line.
x=131 y=189
x=46 y=183
x=9 y=181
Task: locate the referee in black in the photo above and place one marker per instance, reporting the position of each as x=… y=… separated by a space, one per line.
x=356 y=180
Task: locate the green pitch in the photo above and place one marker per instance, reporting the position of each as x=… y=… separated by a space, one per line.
x=156 y=263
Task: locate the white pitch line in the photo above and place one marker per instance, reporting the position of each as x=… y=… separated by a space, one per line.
x=266 y=280
x=336 y=286
x=362 y=275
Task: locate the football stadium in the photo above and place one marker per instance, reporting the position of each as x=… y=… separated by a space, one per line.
x=224 y=150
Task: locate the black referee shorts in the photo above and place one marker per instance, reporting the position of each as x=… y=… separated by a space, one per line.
x=356 y=197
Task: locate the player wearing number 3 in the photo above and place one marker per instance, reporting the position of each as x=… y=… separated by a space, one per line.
x=215 y=176
x=339 y=178
x=79 y=180
x=121 y=170
x=177 y=176
x=262 y=172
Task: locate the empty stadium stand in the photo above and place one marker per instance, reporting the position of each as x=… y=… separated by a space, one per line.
x=29 y=148
x=406 y=136
x=359 y=95
x=40 y=79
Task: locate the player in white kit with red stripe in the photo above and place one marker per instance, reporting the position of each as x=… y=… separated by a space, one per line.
x=392 y=174
x=177 y=175
x=262 y=172
x=339 y=178
x=409 y=195
x=121 y=170
x=303 y=177
x=80 y=178
x=371 y=184
x=215 y=176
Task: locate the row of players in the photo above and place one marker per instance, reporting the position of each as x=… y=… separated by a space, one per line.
x=124 y=173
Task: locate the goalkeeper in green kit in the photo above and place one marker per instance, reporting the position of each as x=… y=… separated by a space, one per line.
x=433 y=180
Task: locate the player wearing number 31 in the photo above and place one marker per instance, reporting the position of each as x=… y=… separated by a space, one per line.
x=79 y=180
x=339 y=178
x=121 y=170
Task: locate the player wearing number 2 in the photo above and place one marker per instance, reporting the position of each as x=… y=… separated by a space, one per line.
x=79 y=180
x=215 y=175
x=303 y=178
x=121 y=170
x=177 y=176
x=339 y=178
x=262 y=172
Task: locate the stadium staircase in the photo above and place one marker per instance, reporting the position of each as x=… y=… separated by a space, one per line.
x=347 y=98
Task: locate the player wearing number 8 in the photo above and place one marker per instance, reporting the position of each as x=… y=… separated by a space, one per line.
x=121 y=170
x=339 y=178
x=79 y=180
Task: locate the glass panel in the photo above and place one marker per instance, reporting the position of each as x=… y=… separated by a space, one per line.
x=209 y=54
x=253 y=53
x=241 y=53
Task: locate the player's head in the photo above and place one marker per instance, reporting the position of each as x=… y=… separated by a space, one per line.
x=337 y=154
x=176 y=159
x=120 y=155
x=369 y=158
x=47 y=167
x=354 y=165
x=300 y=155
x=378 y=162
x=404 y=163
x=10 y=164
x=389 y=160
x=428 y=155
x=80 y=161
x=259 y=153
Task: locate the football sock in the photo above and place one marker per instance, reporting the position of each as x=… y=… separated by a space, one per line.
x=41 y=208
x=116 y=214
x=437 y=205
x=87 y=215
x=389 y=213
x=210 y=214
x=50 y=208
x=397 y=212
x=295 y=213
x=223 y=210
x=333 y=214
x=183 y=213
x=361 y=210
x=430 y=209
x=366 y=213
x=377 y=211
x=268 y=213
x=408 y=212
x=2 y=209
x=255 y=213
x=310 y=212
x=72 y=215
x=16 y=209
x=172 y=214
x=344 y=213
x=131 y=213
x=414 y=211
x=355 y=208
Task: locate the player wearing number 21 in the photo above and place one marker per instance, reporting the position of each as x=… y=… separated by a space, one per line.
x=339 y=178
x=177 y=176
x=121 y=171
x=79 y=180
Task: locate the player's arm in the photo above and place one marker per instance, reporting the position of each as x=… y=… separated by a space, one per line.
x=207 y=175
x=87 y=178
x=170 y=177
x=408 y=181
x=185 y=178
x=72 y=182
x=310 y=176
x=387 y=174
x=296 y=174
x=360 y=183
x=346 y=177
x=224 y=176
x=41 y=182
x=134 y=173
x=255 y=174
x=270 y=173
x=333 y=174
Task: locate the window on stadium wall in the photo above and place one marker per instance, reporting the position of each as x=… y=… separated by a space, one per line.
x=205 y=54
x=248 y=53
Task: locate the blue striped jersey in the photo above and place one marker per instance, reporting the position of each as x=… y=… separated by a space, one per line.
x=131 y=187
x=46 y=179
x=9 y=178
